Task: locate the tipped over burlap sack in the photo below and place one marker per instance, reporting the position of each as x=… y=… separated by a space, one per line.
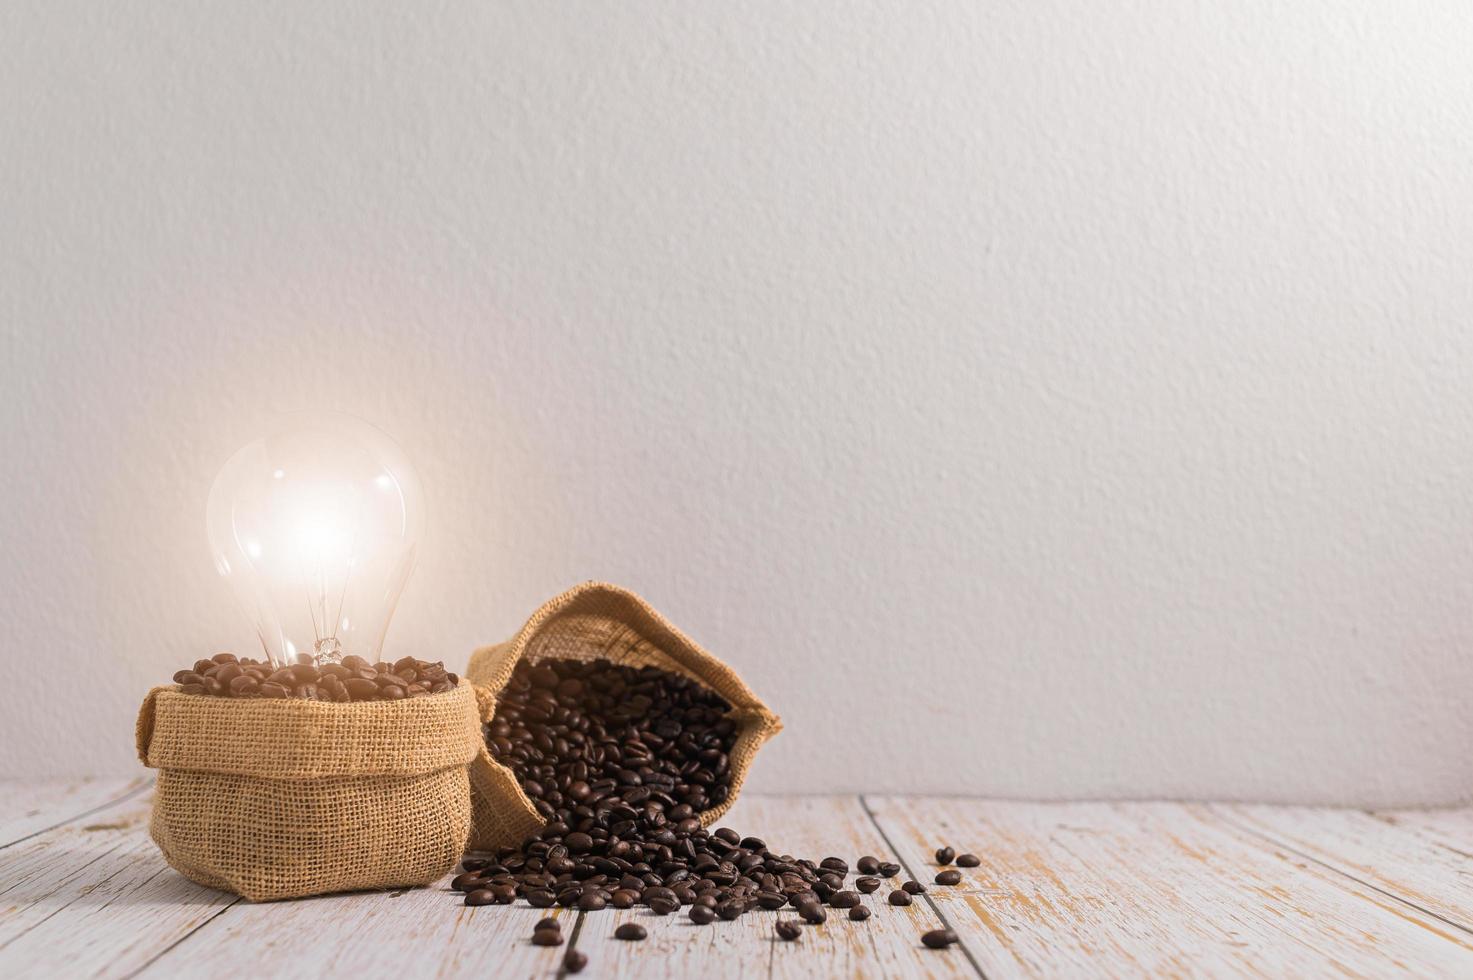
x=284 y=798
x=589 y=621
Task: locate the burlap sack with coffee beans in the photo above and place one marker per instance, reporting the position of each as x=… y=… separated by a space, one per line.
x=587 y=622
x=281 y=798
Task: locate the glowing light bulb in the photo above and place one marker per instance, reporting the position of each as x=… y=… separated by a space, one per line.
x=316 y=527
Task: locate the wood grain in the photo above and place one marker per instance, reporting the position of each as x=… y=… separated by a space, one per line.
x=1158 y=889
x=417 y=932
x=28 y=808
x=94 y=898
x=1424 y=858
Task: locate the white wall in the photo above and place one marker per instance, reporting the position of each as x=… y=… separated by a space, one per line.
x=1029 y=398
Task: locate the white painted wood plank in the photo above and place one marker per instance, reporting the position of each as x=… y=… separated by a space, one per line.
x=94 y=898
x=1151 y=889
x=416 y=932
x=1409 y=854
x=27 y=807
x=888 y=944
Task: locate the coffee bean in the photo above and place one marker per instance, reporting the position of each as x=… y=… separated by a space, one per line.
x=914 y=887
x=867 y=884
x=949 y=878
x=547 y=937
x=574 y=961
x=578 y=843
x=661 y=905
x=968 y=860
x=548 y=922
x=702 y=915
x=481 y=896
x=898 y=897
x=888 y=870
x=938 y=938
x=466 y=881
x=844 y=899
x=867 y=865
x=592 y=902
x=360 y=689
x=859 y=913
x=540 y=898
x=771 y=900
x=837 y=865
x=632 y=931
x=945 y=855
x=788 y=930
x=812 y=912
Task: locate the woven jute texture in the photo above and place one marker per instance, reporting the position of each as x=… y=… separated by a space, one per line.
x=587 y=622
x=284 y=798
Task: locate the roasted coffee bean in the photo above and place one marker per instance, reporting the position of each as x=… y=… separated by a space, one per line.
x=938 y=938
x=547 y=937
x=836 y=865
x=867 y=865
x=468 y=881
x=731 y=910
x=867 y=884
x=949 y=878
x=630 y=930
x=547 y=922
x=540 y=898
x=574 y=961
x=859 y=913
x=360 y=689
x=660 y=905
x=914 y=887
x=702 y=915
x=812 y=912
x=788 y=930
x=771 y=900
x=888 y=869
x=624 y=898
x=844 y=899
x=968 y=861
x=592 y=902
x=481 y=896
x=945 y=855
x=898 y=897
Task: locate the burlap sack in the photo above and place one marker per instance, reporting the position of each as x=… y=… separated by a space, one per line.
x=586 y=622
x=283 y=798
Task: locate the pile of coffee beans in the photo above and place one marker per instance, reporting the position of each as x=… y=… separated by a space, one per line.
x=621 y=761
x=353 y=679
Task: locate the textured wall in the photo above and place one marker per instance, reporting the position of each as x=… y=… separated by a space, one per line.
x=1028 y=398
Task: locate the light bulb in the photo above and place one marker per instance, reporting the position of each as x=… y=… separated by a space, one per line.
x=316 y=528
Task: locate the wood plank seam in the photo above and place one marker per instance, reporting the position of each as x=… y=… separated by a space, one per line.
x=1269 y=838
x=169 y=948
x=85 y=813
x=562 y=966
x=972 y=959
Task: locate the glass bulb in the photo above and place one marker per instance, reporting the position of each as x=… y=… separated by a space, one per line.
x=316 y=527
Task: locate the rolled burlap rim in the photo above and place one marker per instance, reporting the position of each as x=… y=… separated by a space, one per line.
x=592 y=620
x=284 y=798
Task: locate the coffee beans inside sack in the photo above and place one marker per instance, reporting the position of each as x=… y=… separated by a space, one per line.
x=282 y=783
x=600 y=622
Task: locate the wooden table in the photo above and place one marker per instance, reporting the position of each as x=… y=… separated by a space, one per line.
x=1079 y=889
